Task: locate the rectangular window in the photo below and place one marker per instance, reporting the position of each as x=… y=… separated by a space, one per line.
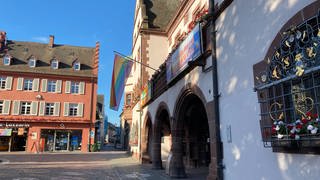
x=75 y=87
x=27 y=84
x=128 y=99
x=49 y=109
x=3 y=82
x=1 y=107
x=25 y=108
x=73 y=109
x=52 y=85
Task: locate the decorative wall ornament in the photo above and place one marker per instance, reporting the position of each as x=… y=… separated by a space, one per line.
x=297 y=54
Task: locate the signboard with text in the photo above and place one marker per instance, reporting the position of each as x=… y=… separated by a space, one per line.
x=189 y=50
x=5 y=132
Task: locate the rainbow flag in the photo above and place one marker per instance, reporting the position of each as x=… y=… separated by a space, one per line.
x=121 y=71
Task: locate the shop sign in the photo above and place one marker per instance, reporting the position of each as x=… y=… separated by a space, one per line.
x=14 y=125
x=5 y=132
x=146 y=93
x=189 y=50
x=34 y=135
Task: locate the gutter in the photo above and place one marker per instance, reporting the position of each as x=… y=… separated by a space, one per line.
x=215 y=13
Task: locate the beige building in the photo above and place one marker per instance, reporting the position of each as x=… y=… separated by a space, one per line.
x=201 y=110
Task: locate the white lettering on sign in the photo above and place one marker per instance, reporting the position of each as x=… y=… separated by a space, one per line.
x=13 y=125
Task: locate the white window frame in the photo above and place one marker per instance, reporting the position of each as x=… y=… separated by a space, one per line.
x=1 y=106
x=75 y=87
x=32 y=62
x=27 y=84
x=49 y=109
x=77 y=66
x=3 y=82
x=6 y=60
x=25 y=108
x=54 y=64
x=73 y=109
x=51 y=86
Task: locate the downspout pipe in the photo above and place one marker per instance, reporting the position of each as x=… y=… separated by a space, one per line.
x=216 y=95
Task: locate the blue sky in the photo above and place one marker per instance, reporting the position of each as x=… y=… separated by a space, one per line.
x=75 y=22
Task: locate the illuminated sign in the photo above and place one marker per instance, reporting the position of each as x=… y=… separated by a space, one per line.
x=189 y=50
x=5 y=132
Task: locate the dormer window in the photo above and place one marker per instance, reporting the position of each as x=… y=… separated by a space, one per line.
x=54 y=64
x=32 y=62
x=76 y=65
x=6 y=60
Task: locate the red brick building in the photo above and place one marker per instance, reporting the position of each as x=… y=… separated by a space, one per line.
x=48 y=96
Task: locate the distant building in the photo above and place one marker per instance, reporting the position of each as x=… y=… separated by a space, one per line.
x=47 y=96
x=99 y=125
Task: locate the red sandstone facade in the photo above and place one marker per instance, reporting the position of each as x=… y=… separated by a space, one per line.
x=36 y=120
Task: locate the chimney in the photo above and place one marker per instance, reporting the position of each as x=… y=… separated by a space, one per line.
x=51 y=41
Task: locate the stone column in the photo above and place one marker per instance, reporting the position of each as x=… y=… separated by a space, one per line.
x=213 y=143
x=176 y=168
x=156 y=148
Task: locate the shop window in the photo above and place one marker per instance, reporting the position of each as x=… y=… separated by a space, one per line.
x=75 y=87
x=27 y=84
x=25 y=108
x=73 y=109
x=49 y=109
x=288 y=89
x=52 y=85
x=3 y=81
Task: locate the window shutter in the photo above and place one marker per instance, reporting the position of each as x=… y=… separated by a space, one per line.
x=58 y=87
x=80 y=110
x=16 y=108
x=6 y=107
x=57 y=109
x=42 y=108
x=9 y=83
x=81 y=88
x=34 y=108
x=20 y=84
x=68 y=86
x=44 y=84
x=35 y=84
x=66 y=109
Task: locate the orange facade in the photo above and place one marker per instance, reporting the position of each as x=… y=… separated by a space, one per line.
x=35 y=125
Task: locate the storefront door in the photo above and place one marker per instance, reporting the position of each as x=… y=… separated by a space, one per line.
x=61 y=140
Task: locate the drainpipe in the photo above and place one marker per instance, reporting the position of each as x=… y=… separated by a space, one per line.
x=216 y=96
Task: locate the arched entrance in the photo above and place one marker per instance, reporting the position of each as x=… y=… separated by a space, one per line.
x=161 y=137
x=191 y=145
x=146 y=137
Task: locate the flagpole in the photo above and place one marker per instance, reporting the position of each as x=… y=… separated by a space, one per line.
x=130 y=59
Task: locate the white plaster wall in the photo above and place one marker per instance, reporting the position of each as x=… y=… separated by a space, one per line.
x=245 y=32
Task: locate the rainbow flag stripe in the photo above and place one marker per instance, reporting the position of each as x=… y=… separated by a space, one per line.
x=121 y=71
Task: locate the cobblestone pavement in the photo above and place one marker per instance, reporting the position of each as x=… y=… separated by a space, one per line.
x=107 y=165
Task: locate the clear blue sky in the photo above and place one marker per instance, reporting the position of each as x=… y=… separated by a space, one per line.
x=75 y=22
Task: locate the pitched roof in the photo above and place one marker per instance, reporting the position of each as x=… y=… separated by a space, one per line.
x=66 y=55
x=160 y=12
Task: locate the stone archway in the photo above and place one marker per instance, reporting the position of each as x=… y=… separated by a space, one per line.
x=190 y=133
x=161 y=144
x=146 y=140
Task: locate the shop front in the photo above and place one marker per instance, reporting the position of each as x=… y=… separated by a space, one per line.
x=60 y=140
x=13 y=136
